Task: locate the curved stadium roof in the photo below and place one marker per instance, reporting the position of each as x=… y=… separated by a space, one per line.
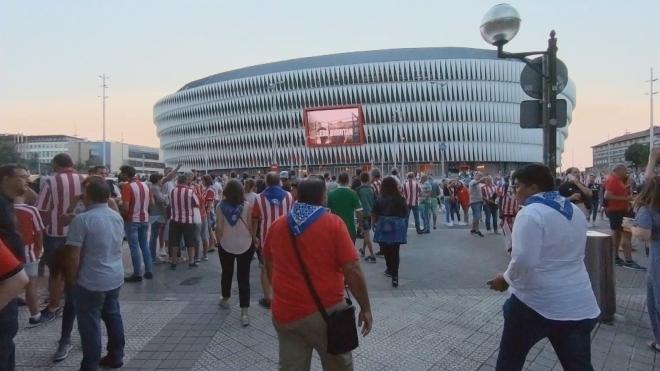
x=342 y=59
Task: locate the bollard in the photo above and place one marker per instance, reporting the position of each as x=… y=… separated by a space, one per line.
x=599 y=261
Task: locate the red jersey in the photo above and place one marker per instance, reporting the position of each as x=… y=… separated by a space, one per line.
x=183 y=201
x=136 y=194
x=208 y=198
x=325 y=247
x=9 y=264
x=29 y=223
x=58 y=193
x=614 y=186
x=267 y=212
x=411 y=192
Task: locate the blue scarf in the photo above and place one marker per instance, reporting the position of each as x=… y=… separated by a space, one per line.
x=274 y=195
x=232 y=213
x=554 y=200
x=302 y=216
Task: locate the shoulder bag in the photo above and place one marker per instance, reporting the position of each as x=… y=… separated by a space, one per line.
x=341 y=325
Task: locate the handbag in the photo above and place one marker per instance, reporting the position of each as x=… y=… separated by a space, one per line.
x=341 y=326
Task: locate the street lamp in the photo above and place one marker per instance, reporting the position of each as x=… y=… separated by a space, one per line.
x=499 y=26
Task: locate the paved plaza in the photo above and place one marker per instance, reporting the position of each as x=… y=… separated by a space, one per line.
x=441 y=317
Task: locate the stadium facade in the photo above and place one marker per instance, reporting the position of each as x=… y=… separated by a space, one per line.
x=415 y=103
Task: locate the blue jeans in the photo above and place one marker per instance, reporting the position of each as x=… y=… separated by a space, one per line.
x=448 y=212
x=153 y=238
x=415 y=212
x=653 y=292
x=68 y=316
x=426 y=215
x=476 y=207
x=8 y=330
x=491 y=215
x=136 y=233
x=523 y=328
x=91 y=308
x=455 y=209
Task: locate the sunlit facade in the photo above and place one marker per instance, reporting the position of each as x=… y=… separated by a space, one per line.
x=413 y=100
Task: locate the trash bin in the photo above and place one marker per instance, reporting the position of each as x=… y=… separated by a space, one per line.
x=599 y=260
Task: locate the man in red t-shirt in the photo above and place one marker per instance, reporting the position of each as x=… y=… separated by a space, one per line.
x=328 y=253
x=618 y=206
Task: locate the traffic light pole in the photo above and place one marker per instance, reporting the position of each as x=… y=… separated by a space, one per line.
x=549 y=99
x=550 y=104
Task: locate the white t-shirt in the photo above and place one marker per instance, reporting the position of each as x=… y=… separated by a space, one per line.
x=251 y=198
x=547 y=270
x=235 y=239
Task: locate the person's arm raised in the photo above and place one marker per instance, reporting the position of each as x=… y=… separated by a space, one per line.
x=650 y=166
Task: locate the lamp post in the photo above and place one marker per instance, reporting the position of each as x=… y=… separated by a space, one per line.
x=499 y=26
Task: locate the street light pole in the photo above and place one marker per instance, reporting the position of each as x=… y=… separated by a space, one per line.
x=103 y=97
x=499 y=26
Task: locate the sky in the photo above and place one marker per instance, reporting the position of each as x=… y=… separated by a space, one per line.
x=52 y=52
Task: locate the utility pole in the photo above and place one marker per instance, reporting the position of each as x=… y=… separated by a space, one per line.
x=103 y=97
x=651 y=93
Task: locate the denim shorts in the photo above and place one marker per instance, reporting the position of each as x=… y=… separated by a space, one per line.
x=476 y=207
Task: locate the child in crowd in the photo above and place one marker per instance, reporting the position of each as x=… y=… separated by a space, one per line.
x=509 y=207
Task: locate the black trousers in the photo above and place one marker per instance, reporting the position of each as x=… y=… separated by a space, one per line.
x=242 y=274
x=524 y=327
x=391 y=252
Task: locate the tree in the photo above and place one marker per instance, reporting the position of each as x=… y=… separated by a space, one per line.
x=638 y=154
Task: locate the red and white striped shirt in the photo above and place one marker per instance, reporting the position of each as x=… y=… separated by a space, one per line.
x=376 y=185
x=267 y=213
x=58 y=193
x=411 y=192
x=489 y=192
x=509 y=206
x=183 y=201
x=29 y=223
x=137 y=195
x=209 y=199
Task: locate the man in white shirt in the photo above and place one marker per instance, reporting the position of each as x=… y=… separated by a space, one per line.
x=551 y=294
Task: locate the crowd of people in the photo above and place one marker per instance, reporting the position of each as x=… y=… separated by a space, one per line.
x=73 y=226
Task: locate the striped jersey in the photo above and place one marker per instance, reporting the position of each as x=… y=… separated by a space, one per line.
x=376 y=185
x=411 y=192
x=137 y=195
x=267 y=212
x=509 y=206
x=208 y=199
x=183 y=201
x=29 y=223
x=489 y=192
x=57 y=194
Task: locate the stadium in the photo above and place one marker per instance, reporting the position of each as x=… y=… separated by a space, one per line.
x=414 y=108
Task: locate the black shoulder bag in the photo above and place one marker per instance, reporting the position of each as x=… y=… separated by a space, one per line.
x=341 y=326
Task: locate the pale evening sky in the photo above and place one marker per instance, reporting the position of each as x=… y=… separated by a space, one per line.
x=51 y=53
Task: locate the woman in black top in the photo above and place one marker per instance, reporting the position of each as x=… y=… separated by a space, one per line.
x=390 y=203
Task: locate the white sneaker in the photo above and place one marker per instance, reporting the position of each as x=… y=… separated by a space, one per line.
x=451 y=224
x=245 y=320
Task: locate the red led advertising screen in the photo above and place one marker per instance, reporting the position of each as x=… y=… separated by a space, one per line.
x=334 y=126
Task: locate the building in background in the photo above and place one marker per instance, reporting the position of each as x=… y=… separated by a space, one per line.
x=145 y=160
x=612 y=152
x=40 y=150
x=419 y=107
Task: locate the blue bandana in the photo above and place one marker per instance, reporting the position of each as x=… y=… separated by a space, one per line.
x=555 y=201
x=274 y=195
x=302 y=216
x=232 y=213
